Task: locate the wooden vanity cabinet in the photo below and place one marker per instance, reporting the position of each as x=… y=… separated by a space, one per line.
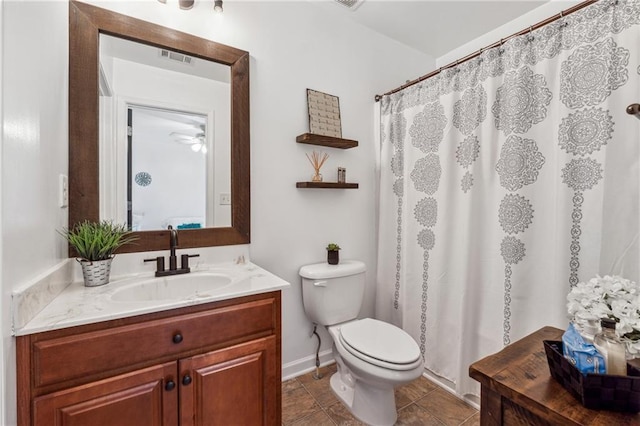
x=212 y=364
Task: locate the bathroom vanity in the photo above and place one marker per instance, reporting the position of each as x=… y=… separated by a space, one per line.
x=213 y=359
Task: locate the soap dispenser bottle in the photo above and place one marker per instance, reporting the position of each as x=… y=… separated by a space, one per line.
x=611 y=348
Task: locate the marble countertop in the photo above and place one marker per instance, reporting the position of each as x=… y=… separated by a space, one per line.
x=78 y=305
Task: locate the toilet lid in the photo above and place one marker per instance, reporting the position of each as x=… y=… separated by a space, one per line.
x=373 y=340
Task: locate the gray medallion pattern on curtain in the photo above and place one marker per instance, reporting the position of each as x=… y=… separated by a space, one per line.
x=466 y=153
x=426 y=174
x=426 y=240
x=471 y=110
x=427 y=128
x=397 y=130
x=586 y=131
x=427 y=131
x=426 y=178
x=581 y=175
x=588 y=77
x=557 y=79
x=591 y=73
x=521 y=101
x=426 y=212
x=468 y=113
x=519 y=164
x=467 y=182
x=515 y=213
x=513 y=251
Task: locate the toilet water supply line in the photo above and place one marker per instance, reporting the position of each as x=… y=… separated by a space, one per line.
x=317 y=375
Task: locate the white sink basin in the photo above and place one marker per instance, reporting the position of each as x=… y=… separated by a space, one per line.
x=176 y=287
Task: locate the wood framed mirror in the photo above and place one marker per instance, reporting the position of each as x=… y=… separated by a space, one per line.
x=86 y=23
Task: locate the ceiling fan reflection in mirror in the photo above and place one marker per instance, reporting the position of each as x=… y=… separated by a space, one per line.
x=197 y=142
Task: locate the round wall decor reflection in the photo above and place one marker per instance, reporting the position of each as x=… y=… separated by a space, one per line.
x=143 y=179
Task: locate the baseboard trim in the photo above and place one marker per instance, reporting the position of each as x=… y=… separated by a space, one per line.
x=304 y=365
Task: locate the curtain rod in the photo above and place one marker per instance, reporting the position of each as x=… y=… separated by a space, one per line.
x=540 y=24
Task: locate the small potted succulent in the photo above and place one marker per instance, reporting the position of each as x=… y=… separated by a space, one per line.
x=95 y=244
x=333 y=254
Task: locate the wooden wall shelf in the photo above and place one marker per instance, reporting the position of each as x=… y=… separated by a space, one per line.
x=334 y=185
x=314 y=139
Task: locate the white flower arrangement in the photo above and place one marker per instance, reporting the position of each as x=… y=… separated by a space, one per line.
x=608 y=297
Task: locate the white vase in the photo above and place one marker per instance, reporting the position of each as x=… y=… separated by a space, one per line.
x=96 y=272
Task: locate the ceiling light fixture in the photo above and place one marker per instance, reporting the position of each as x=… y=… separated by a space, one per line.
x=185 y=4
x=188 y=4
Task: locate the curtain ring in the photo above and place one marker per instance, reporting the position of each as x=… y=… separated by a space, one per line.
x=563 y=23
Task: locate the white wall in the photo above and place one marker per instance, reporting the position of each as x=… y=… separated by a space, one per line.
x=5 y=309
x=293 y=46
x=34 y=152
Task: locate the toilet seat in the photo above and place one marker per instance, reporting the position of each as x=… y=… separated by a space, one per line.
x=380 y=344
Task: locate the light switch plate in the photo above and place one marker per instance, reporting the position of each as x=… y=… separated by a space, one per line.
x=63 y=191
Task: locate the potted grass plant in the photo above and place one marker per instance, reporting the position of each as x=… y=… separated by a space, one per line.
x=333 y=254
x=95 y=244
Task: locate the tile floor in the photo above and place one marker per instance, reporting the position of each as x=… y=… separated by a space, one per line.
x=310 y=402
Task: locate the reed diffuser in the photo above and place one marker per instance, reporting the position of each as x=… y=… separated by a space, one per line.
x=317 y=160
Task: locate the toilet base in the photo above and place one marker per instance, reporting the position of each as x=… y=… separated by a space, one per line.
x=373 y=406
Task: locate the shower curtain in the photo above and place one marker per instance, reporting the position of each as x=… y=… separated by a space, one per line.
x=506 y=180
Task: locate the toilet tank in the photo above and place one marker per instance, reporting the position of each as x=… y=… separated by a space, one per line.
x=332 y=294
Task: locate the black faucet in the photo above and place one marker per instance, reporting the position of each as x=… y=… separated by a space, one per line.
x=173 y=243
x=173 y=260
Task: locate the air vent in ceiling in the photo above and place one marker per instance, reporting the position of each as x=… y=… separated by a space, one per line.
x=350 y=4
x=179 y=57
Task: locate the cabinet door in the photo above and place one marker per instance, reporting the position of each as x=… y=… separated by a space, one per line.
x=231 y=386
x=143 y=398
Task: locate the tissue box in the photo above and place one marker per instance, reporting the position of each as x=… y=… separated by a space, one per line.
x=595 y=391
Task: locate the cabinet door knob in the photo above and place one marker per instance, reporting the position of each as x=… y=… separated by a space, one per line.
x=170 y=385
x=186 y=380
x=177 y=338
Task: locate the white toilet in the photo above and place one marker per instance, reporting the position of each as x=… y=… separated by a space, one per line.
x=372 y=356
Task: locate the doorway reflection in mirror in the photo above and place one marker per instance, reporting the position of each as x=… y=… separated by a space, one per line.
x=166 y=114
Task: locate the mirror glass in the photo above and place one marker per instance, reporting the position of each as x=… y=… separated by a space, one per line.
x=164 y=137
x=187 y=161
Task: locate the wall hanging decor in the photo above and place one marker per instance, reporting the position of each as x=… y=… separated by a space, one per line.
x=324 y=114
x=143 y=179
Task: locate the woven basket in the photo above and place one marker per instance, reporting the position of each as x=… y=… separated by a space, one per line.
x=595 y=391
